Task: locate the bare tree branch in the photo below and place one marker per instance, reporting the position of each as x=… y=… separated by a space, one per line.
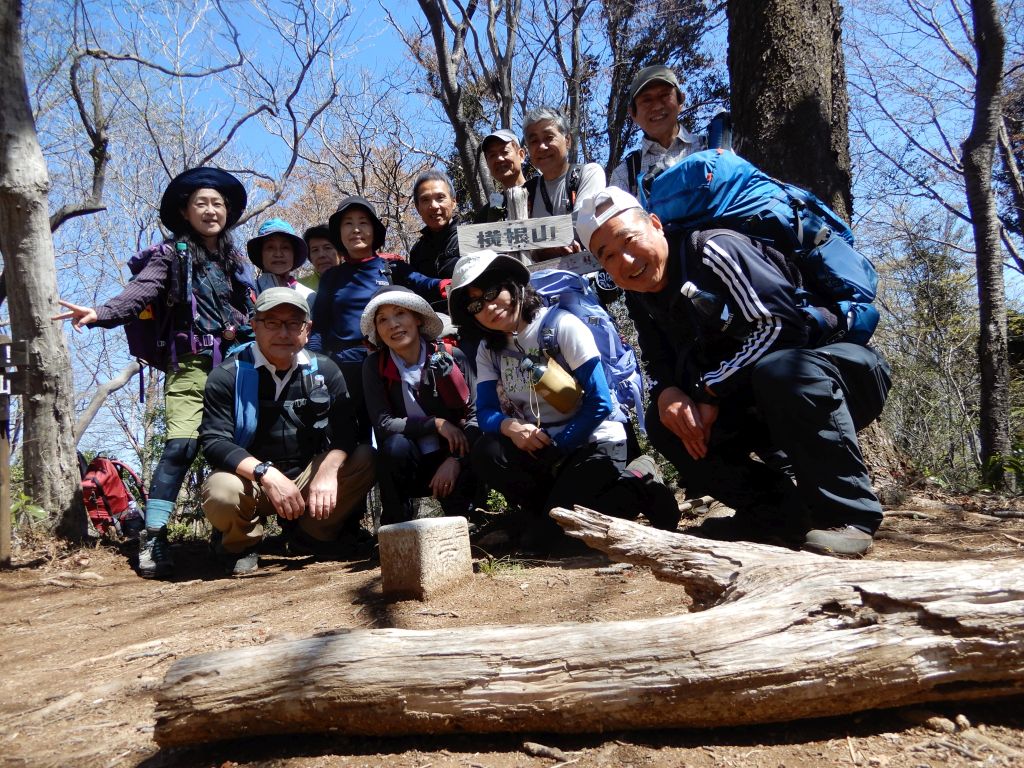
x=100 y=396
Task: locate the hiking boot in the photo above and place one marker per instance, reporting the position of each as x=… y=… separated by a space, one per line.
x=234 y=563
x=241 y=563
x=662 y=510
x=155 y=560
x=660 y=506
x=645 y=465
x=842 y=541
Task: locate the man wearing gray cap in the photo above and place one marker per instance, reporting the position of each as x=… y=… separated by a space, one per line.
x=279 y=432
x=504 y=157
x=655 y=103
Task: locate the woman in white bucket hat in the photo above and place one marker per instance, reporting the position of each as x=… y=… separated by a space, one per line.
x=421 y=403
x=553 y=439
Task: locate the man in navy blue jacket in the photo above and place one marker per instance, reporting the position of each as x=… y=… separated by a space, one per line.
x=743 y=381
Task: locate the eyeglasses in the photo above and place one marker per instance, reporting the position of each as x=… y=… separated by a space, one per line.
x=476 y=306
x=293 y=326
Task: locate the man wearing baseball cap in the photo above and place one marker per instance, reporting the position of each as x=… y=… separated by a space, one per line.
x=279 y=433
x=504 y=156
x=655 y=103
x=733 y=374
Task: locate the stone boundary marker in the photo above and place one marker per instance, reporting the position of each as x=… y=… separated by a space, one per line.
x=422 y=557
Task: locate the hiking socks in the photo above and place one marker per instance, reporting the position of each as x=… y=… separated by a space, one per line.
x=158 y=513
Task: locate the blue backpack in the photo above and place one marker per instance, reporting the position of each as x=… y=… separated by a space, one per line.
x=570 y=292
x=719 y=189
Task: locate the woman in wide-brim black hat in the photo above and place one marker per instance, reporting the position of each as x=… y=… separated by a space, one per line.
x=358 y=234
x=210 y=314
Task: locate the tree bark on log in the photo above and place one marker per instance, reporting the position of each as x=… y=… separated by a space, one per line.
x=784 y=635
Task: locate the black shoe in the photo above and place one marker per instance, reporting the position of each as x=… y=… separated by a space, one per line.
x=746 y=527
x=301 y=544
x=234 y=563
x=659 y=502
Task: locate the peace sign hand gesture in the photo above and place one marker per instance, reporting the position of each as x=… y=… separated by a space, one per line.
x=79 y=316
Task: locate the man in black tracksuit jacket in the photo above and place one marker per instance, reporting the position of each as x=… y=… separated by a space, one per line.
x=279 y=431
x=744 y=380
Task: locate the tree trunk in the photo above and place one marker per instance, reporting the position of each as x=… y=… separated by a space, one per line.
x=790 y=117
x=48 y=451
x=789 y=100
x=784 y=635
x=979 y=151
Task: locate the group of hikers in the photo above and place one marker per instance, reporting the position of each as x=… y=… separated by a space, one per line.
x=305 y=392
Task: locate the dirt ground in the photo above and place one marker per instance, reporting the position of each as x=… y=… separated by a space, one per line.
x=84 y=643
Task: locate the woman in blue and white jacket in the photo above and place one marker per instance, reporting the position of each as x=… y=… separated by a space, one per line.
x=542 y=449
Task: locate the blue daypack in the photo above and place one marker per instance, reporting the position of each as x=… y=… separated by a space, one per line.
x=570 y=292
x=719 y=189
x=247 y=393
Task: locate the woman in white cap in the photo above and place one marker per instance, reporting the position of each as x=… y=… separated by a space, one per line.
x=421 y=403
x=554 y=440
x=210 y=314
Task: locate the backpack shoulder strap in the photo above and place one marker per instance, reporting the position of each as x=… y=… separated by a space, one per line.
x=531 y=191
x=633 y=169
x=122 y=467
x=247 y=396
x=309 y=372
x=572 y=184
x=547 y=335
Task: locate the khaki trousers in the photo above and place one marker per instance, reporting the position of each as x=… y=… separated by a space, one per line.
x=237 y=507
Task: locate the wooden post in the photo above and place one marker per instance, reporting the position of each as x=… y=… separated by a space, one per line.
x=10 y=383
x=5 y=454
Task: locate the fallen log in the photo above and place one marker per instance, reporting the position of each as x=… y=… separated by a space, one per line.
x=782 y=635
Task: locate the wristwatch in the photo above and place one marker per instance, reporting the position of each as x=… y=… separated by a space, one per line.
x=259 y=471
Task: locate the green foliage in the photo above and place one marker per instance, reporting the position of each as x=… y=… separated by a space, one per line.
x=998 y=467
x=498 y=566
x=188 y=528
x=28 y=517
x=929 y=334
x=495 y=501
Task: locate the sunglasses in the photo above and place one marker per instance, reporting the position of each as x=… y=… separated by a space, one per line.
x=476 y=306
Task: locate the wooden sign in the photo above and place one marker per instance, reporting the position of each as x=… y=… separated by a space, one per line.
x=582 y=263
x=518 y=235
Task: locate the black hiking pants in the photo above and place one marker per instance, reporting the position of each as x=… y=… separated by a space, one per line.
x=800 y=417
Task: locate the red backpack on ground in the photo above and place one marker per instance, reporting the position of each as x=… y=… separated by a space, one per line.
x=109 y=503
